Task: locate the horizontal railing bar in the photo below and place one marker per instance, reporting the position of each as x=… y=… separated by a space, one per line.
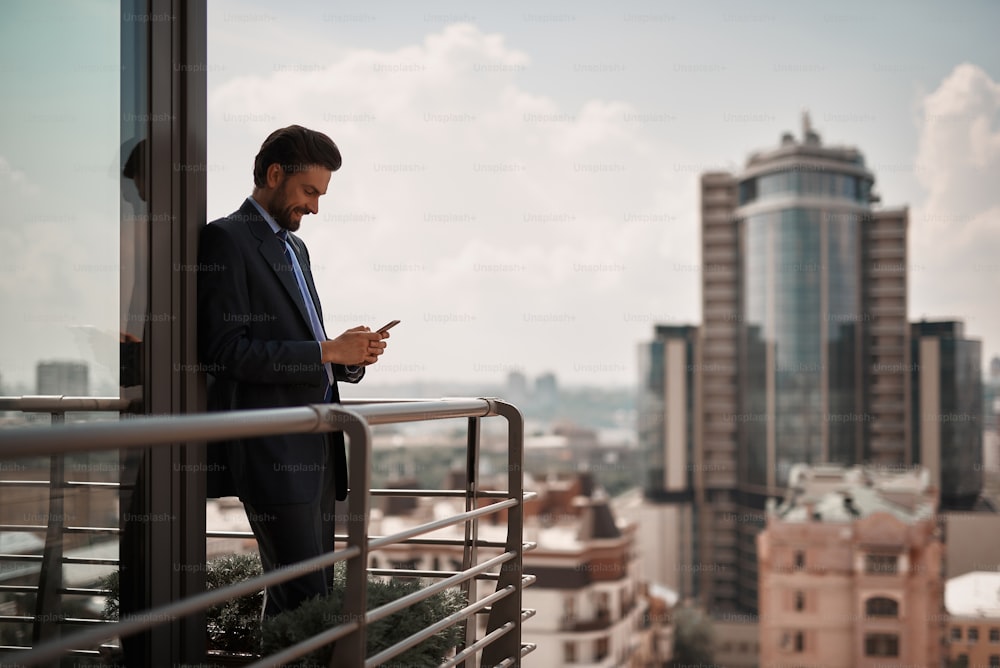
x=410 y=573
x=85 y=530
x=378 y=543
x=42 y=527
x=406 y=601
x=427 y=632
x=309 y=644
x=437 y=541
x=229 y=534
x=196 y=603
x=95 y=484
x=415 y=411
x=92 y=561
x=487 y=639
x=143 y=432
x=82 y=591
x=57 y=403
x=447 y=493
x=65 y=485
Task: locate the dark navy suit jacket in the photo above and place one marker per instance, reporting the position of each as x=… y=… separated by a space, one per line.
x=255 y=341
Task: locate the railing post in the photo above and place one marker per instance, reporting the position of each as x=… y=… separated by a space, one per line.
x=508 y=609
x=469 y=550
x=48 y=598
x=350 y=650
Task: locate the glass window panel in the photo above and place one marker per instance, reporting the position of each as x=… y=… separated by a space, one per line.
x=60 y=181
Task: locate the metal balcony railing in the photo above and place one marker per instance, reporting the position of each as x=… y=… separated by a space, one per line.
x=499 y=645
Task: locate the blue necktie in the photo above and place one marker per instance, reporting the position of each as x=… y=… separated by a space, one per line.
x=314 y=321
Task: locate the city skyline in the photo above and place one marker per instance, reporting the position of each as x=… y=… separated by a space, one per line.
x=520 y=183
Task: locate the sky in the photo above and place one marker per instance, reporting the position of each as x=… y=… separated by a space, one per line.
x=520 y=180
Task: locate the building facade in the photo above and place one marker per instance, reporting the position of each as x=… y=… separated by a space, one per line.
x=592 y=607
x=973 y=604
x=947 y=409
x=669 y=425
x=851 y=571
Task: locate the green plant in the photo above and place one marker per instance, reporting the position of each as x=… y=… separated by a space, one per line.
x=233 y=626
x=321 y=613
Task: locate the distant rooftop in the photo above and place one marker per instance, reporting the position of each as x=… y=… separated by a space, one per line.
x=835 y=493
x=811 y=145
x=975 y=594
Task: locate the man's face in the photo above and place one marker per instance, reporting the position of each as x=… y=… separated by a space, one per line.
x=297 y=194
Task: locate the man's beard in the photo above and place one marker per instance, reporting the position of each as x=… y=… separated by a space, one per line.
x=283 y=213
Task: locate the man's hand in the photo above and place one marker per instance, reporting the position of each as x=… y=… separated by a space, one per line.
x=357 y=346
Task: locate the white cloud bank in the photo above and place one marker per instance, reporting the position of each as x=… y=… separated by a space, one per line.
x=956 y=231
x=506 y=231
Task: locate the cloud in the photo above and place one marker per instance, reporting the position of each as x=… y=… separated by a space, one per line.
x=956 y=230
x=14 y=181
x=493 y=220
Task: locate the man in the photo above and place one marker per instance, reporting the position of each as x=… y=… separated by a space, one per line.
x=261 y=338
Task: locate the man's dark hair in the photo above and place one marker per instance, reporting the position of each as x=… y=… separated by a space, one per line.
x=295 y=148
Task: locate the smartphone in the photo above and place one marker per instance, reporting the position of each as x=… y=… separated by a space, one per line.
x=387 y=326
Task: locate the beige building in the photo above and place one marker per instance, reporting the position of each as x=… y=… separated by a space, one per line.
x=592 y=607
x=973 y=604
x=850 y=571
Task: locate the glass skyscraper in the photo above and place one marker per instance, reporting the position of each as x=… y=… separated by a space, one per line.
x=801 y=207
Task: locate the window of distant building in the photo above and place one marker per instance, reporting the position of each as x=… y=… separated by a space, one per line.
x=956 y=633
x=602 y=648
x=800 y=559
x=880 y=606
x=881 y=644
x=569 y=652
x=994 y=660
x=603 y=605
x=995 y=635
x=569 y=607
x=973 y=634
x=881 y=564
x=793 y=641
x=800 y=601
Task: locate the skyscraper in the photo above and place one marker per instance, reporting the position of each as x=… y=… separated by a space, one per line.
x=947 y=411
x=804 y=356
x=798 y=322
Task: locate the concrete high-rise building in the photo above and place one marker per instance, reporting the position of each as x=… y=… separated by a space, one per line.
x=851 y=571
x=62 y=377
x=947 y=410
x=805 y=339
x=668 y=425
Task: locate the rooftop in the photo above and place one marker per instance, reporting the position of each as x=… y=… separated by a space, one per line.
x=975 y=594
x=834 y=493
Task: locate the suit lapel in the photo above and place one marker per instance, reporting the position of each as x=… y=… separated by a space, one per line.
x=273 y=252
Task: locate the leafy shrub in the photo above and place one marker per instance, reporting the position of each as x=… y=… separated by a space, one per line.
x=321 y=613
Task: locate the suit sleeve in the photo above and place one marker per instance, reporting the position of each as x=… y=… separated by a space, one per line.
x=225 y=341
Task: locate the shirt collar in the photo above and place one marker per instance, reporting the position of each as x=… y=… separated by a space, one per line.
x=265 y=215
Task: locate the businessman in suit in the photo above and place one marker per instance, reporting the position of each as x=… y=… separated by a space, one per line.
x=261 y=339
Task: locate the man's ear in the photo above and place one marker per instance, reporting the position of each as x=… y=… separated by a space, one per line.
x=275 y=174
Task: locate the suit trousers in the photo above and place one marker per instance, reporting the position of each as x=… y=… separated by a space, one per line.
x=288 y=533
